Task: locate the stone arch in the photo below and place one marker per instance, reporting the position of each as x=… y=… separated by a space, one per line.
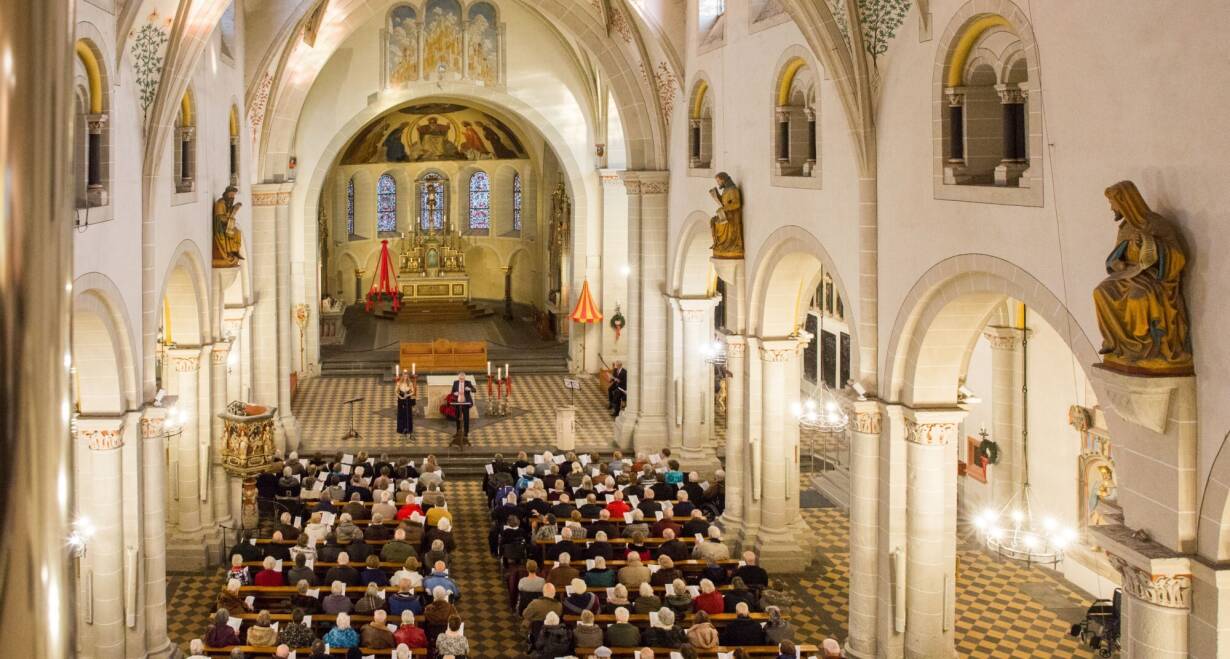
x=701 y=104
x=502 y=198
x=525 y=289
x=957 y=296
x=693 y=271
x=639 y=104
x=344 y=277
x=185 y=297
x=103 y=348
x=1213 y=525
x=486 y=275
x=788 y=267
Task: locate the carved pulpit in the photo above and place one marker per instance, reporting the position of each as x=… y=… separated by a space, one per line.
x=247 y=439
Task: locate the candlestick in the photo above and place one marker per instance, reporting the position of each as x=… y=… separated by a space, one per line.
x=414 y=368
x=488 y=368
x=396 y=370
x=505 y=370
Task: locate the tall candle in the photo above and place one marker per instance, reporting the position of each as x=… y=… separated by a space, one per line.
x=397 y=370
x=488 y=368
x=505 y=370
x=414 y=368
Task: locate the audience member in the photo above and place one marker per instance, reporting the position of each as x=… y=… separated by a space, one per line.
x=375 y=634
x=452 y=641
x=262 y=633
x=742 y=630
x=702 y=635
x=337 y=601
x=554 y=639
x=408 y=634
x=587 y=634
x=220 y=634
x=342 y=636
x=621 y=633
x=294 y=633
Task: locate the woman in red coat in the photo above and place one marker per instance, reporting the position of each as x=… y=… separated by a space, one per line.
x=408 y=634
x=709 y=600
x=269 y=576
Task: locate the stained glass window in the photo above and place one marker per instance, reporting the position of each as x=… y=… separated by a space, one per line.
x=386 y=204
x=433 y=199
x=350 y=207
x=516 y=202
x=480 y=202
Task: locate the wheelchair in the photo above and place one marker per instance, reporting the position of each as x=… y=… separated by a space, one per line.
x=1099 y=630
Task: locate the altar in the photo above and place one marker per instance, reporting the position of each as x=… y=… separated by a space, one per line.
x=438 y=387
x=443 y=287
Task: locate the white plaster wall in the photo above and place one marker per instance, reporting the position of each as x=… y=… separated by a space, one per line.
x=1118 y=103
x=741 y=75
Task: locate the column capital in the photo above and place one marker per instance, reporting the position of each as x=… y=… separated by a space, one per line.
x=95 y=123
x=221 y=350
x=272 y=194
x=695 y=308
x=186 y=360
x=1004 y=338
x=736 y=345
x=955 y=96
x=1009 y=94
x=100 y=433
x=933 y=427
x=868 y=420
x=153 y=419
x=643 y=182
x=1169 y=588
x=779 y=350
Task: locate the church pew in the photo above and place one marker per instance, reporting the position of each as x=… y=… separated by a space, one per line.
x=617 y=541
x=642 y=619
x=753 y=650
x=254 y=651
x=615 y=564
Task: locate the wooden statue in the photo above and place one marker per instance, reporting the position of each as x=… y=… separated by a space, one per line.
x=228 y=239
x=727 y=225
x=1140 y=307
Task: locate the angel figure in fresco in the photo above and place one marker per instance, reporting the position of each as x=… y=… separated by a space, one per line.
x=1139 y=305
x=471 y=144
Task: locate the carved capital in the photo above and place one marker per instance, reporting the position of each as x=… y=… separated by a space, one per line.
x=94 y=123
x=867 y=422
x=955 y=96
x=222 y=349
x=187 y=132
x=736 y=347
x=1009 y=94
x=1168 y=590
x=152 y=426
x=782 y=113
x=270 y=198
x=777 y=351
x=100 y=439
x=1004 y=338
x=185 y=361
x=931 y=434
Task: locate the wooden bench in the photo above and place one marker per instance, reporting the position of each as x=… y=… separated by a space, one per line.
x=754 y=650
x=690 y=564
x=642 y=619
x=443 y=356
x=616 y=541
x=252 y=651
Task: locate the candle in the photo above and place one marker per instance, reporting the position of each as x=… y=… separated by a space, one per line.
x=505 y=370
x=397 y=370
x=488 y=368
x=414 y=368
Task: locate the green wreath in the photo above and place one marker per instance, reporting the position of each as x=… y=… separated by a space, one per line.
x=988 y=452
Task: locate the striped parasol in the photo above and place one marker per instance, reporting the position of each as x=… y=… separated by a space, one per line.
x=586 y=312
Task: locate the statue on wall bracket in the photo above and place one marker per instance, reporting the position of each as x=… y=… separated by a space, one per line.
x=727 y=224
x=228 y=239
x=1140 y=307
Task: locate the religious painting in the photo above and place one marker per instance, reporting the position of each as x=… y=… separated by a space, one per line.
x=974 y=468
x=433 y=132
x=402 y=56
x=483 y=43
x=442 y=38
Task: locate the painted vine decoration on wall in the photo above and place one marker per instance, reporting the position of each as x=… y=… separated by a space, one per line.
x=880 y=18
x=147 y=55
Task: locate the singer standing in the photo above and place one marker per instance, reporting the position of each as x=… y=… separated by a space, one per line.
x=407 y=395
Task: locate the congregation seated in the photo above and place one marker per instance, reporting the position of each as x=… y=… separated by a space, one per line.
x=618 y=598
x=230 y=598
x=408 y=634
x=663 y=632
x=554 y=639
x=375 y=634
x=633 y=573
x=536 y=611
x=371 y=601
x=622 y=633
x=777 y=629
x=563 y=573
x=452 y=641
x=586 y=634
x=262 y=633
x=709 y=600
x=269 y=576
x=342 y=635
x=743 y=630
x=220 y=633
x=440 y=610
x=646 y=601
x=296 y=634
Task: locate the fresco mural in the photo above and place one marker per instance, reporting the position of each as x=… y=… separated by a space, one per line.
x=431 y=132
x=442 y=43
x=483 y=42
x=402 y=57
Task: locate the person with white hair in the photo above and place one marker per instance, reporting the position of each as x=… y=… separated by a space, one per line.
x=743 y=630
x=337 y=601
x=197 y=647
x=683 y=505
x=563 y=573
x=664 y=633
x=376 y=634
x=752 y=574
x=586 y=634
x=343 y=571
x=712 y=548
x=645 y=653
x=709 y=600
x=633 y=573
x=443 y=531
x=440 y=610
x=342 y=636
x=646 y=600
x=439 y=579
x=263 y=633
x=554 y=639
x=831 y=648
x=621 y=633
x=221 y=634
x=383 y=506
x=230 y=598
x=408 y=634
x=403 y=651
x=578 y=599
x=538 y=609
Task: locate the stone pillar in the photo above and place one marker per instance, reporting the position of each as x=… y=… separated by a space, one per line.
x=1015 y=137
x=753 y=456
x=1156 y=605
x=1007 y=410
x=219 y=487
x=697 y=452
x=186 y=365
x=645 y=419
x=508 y=299
x=736 y=437
x=103 y=581
x=37 y=600
x=954 y=164
x=273 y=322
x=154 y=530
x=204 y=434
x=864 y=527
x=776 y=542
x=892 y=534
x=929 y=562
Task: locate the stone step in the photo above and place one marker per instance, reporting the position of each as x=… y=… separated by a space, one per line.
x=834 y=484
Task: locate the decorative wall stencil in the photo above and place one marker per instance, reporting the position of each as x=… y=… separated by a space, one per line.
x=149 y=48
x=443 y=38
x=665 y=83
x=880 y=19
x=256 y=111
x=619 y=25
x=483 y=44
x=431 y=132
x=402 y=58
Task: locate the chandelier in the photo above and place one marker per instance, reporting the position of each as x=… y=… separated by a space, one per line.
x=1019 y=536
x=822 y=412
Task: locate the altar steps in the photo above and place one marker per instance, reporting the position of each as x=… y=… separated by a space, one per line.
x=428 y=311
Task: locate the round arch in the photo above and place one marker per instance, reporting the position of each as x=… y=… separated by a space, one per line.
x=103 y=347
x=692 y=270
x=185 y=297
x=957 y=296
x=787 y=270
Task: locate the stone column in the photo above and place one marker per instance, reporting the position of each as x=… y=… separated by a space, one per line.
x=929 y=563
x=736 y=437
x=154 y=530
x=204 y=434
x=103 y=506
x=1156 y=606
x=508 y=299
x=1015 y=138
x=37 y=600
x=776 y=542
x=1007 y=410
x=186 y=365
x=647 y=242
x=219 y=487
x=272 y=322
x=864 y=527
x=697 y=452
x=753 y=433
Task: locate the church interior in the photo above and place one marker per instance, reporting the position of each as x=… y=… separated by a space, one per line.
x=613 y=328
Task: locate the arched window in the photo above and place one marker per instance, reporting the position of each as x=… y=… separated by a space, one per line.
x=433 y=201
x=185 y=148
x=480 y=203
x=234 y=133
x=91 y=166
x=516 y=194
x=386 y=204
x=795 y=147
x=350 y=209
x=700 y=128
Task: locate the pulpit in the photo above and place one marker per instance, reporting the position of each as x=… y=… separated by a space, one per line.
x=247 y=439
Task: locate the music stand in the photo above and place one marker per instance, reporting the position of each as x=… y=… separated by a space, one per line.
x=352 y=434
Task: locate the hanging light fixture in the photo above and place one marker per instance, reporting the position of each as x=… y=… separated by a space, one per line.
x=822 y=412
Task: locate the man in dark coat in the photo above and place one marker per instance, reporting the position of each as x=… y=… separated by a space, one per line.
x=617 y=391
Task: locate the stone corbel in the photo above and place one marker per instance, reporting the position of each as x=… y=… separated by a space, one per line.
x=1144 y=401
x=1150 y=572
